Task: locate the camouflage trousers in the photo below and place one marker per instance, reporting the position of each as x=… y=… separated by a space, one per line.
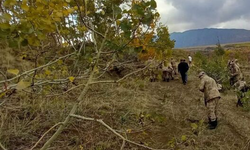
x=233 y=80
x=174 y=70
x=153 y=74
x=212 y=106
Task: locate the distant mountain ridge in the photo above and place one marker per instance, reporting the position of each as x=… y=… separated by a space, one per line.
x=209 y=36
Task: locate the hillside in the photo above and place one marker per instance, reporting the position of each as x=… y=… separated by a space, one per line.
x=201 y=37
x=153 y=114
x=160 y=115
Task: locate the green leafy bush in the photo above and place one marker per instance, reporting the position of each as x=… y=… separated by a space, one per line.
x=215 y=66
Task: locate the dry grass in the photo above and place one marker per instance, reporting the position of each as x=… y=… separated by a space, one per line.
x=166 y=107
x=157 y=114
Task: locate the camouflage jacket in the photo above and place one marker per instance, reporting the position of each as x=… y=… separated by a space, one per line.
x=209 y=87
x=236 y=73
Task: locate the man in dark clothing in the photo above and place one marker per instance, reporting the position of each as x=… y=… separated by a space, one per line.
x=182 y=69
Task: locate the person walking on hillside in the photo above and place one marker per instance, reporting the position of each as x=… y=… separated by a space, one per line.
x=211 y=97
x=241 y=89
x=173 y=65
x=182 y=69
x=235 y=73
x=190 y=59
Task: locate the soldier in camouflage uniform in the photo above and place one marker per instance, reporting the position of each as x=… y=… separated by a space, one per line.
x=153 y=68
x=235 y=73
x=167 y=72
x=237 y=62
x=241 y=89
x=211 y=97
x=173 y=65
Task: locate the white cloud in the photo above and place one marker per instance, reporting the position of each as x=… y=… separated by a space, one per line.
x=181 y=15
x=234 y=24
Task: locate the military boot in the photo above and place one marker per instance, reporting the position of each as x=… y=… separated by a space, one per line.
x=212 y=124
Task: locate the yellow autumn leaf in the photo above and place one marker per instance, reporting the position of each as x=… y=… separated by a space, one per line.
x=70 y=10
x=81 y=147
x=65 y=12
x=183 y=138
x=57 y=19
x=4 y=25
x=83 y=28
x=24 y=7
x=13 y=71
x=65 y=44
x=22 y=85
x=68 y=1
x=118 y=22
x=129 y=130
x=103 y=12
x=194 y=126
x=71 y=79
x=88 y=12
x=7 y=16
x=47 y=72
x=96 y=70
x=59 y=14
x=81 y=8
x=60 y=62
x=75 y=7
x=2 y=94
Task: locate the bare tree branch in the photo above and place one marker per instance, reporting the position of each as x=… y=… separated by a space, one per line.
x=123 y=145
x=3 y=102
x=112 y=130
x=59 y=123
x=1 y=145
x=126 y=76
x=40 y=67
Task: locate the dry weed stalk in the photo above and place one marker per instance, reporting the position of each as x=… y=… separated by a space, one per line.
x=59 y=123
x=1 y=145
x=112 y=130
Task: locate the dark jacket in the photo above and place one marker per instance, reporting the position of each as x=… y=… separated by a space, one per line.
x=183 y=67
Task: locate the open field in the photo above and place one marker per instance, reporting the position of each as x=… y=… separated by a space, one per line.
x=226 y=46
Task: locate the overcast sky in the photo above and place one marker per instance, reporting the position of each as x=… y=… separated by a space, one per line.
x=181 y=15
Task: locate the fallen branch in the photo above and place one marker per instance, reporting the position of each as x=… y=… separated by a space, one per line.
x=1 y=145
x=97 y=82
x=68 y=90
x=59 y=123
x=117 y=81
x=40 y=67
x=3 y=102
x=39 y=83
x=123 y=145
x=112 y=130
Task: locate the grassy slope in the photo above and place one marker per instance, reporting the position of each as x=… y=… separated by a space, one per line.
x=168 y=109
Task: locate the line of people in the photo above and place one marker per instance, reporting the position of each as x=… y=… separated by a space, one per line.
x=168 y=70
